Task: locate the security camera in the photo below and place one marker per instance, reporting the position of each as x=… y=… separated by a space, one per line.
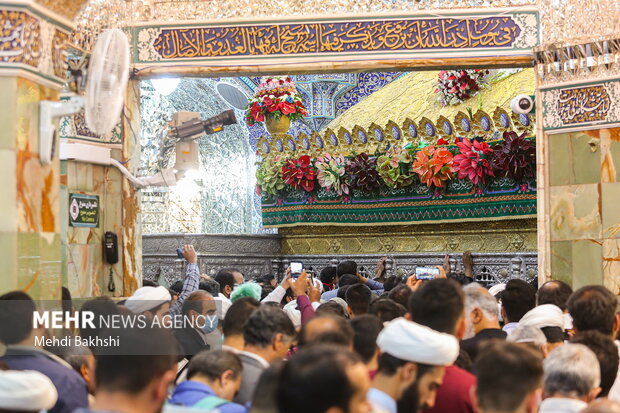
x=522 y=104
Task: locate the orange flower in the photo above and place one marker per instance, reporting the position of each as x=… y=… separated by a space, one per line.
x=434 y=165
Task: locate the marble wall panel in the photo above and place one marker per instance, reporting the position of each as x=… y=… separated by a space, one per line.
x=574 y=212
x=611 y=264
x=8 y=115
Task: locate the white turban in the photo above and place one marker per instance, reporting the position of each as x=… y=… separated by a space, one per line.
x=545 y=315
x=26 y=390
x=410 y=341
x=496 y=289
x=147 y=298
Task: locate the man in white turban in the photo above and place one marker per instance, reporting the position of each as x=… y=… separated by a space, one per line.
x=550 y=320
x=151 y=301
x=410 y=353
x=26 y=391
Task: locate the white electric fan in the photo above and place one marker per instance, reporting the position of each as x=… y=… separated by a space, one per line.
x=106 y=83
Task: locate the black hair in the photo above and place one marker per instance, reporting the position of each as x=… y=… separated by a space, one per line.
x=366 y=327
x=210 y=286
x=316 y=379
x=388 y=364
x=142 y=355
x=342 y=292
x=225 y=278
x=265 y=278
x=347 y=279
x=331 y=308
x=390 y=283
x=328 y=275
x=237 y=315
x=507 y=373
x=261 y=328
x=438 y=304
x=518 y=298
x=554 y=292
x=100 y=307
x=149 y=283
x=212 y=364
x=607 y=354
x=16 y=310
x=265 y=290
x=358 y=298
x=347 y=267
x=400 y=294
x=67 y=303
x=593 y=307
x=177 y=286
x=386 y=309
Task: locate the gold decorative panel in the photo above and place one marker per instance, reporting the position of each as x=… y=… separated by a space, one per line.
x=498 y=236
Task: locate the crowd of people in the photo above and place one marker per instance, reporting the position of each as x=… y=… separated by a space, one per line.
x=334 y=342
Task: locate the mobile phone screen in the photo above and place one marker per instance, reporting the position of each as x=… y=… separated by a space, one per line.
x=296 y=268
x=426 y=273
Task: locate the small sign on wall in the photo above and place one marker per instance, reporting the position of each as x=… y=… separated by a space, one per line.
x=83 y=210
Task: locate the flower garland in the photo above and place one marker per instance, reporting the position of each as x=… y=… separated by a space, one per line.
x=275 y=97
x=456 y=86
x=434 y=165
x=330 y=174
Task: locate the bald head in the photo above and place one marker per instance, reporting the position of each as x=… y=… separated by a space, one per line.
x=327 y=329
x=199 y=302
x=602 y=406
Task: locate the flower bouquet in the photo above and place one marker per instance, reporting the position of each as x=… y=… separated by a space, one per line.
x=276 y=97
x=456 y=86
x=473 y=161
x=515 y=158
x=299 y=173
x=395 y=168
x=269 y=176
x=362 y=172
x=434 y=165
x=331 y=173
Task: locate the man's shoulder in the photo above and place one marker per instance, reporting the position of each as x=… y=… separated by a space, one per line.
x=232 y=408
x=459 y=375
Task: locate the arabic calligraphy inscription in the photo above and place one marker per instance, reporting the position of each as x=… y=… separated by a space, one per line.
x=20 y=38
x=583 y=104
x=414 y=34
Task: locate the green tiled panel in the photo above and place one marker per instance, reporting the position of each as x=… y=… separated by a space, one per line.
x=587 y=263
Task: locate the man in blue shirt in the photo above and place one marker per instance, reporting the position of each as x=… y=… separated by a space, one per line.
x=213 y=379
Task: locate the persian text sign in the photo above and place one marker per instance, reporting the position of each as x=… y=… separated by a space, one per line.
x=451 y=33
x=581 y=106
x=83 y=210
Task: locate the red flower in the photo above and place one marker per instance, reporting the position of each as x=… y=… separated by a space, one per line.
x=267 y=102
x=299 y=173
x=286 y=108
x=472 y=162
x=257 y=113
x=442 y=141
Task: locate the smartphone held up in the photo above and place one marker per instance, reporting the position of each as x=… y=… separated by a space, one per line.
x=426 y=273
